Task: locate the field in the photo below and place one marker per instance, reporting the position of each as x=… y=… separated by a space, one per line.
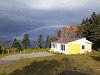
x=36 y=50
x=58 y=64
x=26 y=51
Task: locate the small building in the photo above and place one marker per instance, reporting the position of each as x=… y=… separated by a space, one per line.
x=71 y=46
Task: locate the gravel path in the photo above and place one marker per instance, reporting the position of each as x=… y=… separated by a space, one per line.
x=14 y=58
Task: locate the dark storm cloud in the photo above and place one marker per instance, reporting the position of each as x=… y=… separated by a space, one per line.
x=19 y=16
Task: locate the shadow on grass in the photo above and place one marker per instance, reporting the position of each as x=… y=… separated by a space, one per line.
x=46 y=67
x=72 y=73
x=97 y=58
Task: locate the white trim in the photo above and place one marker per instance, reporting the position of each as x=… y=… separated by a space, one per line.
x=82 y=41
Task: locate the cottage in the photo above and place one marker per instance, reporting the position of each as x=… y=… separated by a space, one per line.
x=71 y=46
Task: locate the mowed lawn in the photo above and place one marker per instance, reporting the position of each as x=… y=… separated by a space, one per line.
x=26 y=51
x=58 y=64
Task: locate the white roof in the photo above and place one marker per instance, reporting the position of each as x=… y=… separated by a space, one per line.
x=80 y=41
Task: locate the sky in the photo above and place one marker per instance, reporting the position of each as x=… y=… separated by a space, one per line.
x=42 y=16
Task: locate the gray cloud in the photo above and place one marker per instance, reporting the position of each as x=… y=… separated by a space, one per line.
x=19 y=16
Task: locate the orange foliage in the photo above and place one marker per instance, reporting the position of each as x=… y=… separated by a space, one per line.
x=72 y=30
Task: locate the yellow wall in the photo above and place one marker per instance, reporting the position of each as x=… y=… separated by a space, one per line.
x=73 y=48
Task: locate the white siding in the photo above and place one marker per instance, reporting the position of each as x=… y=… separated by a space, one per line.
x=82 y=50
x=58 y=48
x=88 y=48
x=82 y=41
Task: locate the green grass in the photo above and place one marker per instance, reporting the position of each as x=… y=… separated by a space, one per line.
x=27 y=51
x=3 y=55
x=56 y=65
x=37 y=50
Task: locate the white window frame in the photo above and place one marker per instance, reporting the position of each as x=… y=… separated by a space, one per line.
x=83 y=47
x=62 y=47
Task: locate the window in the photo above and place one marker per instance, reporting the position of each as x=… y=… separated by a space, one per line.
x=83 y=47
x=63 y=47
x=54 y=45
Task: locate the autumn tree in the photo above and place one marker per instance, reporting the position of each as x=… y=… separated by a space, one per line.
x=70 y=31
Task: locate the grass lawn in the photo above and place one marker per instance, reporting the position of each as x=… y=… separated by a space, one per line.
x=56 y=65
x=36 y=50
x=27 y=51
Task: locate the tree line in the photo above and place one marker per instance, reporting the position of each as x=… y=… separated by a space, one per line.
x=89 y=28
x=25 y=43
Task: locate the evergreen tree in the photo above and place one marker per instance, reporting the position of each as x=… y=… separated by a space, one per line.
x=26 y=41
x=16 y=44
x=59 y=33
x=90 y=29
x=48 y=42
x=40 y=41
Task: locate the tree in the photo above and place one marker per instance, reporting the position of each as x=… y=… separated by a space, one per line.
x=16 y=44
x=90 y=29
x=2 y=46
x=48 y=42
x=70 y=31
x=58 y=33
x=54 y=38
x=26 y=41
x=40 y=41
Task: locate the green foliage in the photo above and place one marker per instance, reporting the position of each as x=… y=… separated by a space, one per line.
x=48 y=42
x=26 y=41
x=40 y=41
x=90 y=28
x=16 y=44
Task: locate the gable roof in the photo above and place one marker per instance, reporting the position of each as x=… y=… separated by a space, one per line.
x=81 y=41
x=72 y=40
x=66 y=40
